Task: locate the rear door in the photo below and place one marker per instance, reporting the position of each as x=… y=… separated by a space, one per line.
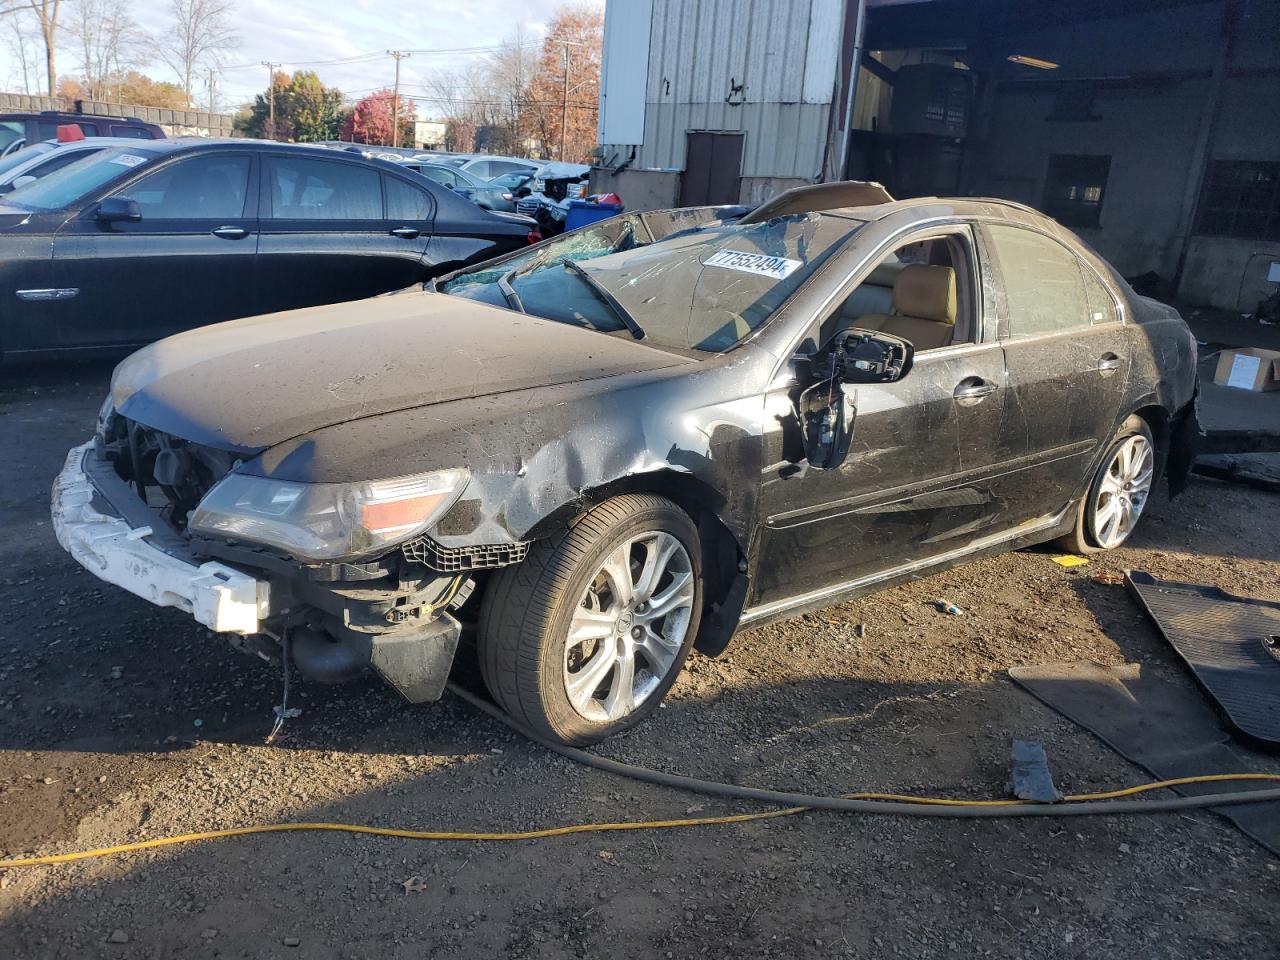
x=188 y=262
x=1067 y=360
x=328 y=235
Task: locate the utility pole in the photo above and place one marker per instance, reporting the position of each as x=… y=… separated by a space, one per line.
x=395 y=101
x=564 y=110
x=271 y=93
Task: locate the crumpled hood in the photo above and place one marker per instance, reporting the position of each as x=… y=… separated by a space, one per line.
x=250 y=384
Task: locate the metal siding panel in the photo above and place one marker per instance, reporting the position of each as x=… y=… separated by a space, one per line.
x=822 y=51
x=624 y=87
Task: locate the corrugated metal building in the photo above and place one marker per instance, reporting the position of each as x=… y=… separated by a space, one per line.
x=1148 y=126
x=710 y=101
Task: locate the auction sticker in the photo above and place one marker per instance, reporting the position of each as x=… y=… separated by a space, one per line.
x=128 y=160
x=777 y=267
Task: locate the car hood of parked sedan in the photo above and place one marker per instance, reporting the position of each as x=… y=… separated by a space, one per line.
x=249 y=384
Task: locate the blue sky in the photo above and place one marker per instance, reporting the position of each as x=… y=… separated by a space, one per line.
x=293 y=32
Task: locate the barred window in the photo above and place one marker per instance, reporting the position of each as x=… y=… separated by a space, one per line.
x=1241 y=198
x=1073 y=189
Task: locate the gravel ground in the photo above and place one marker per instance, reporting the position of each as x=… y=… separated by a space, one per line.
x=120 y=721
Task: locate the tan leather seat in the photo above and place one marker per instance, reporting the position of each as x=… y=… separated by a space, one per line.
x=924 y=307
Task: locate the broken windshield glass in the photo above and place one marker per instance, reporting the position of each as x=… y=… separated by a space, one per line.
x=704 y=290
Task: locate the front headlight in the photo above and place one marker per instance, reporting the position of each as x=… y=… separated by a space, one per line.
x=326 y=521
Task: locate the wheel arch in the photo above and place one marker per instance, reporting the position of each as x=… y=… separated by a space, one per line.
x=723 y=552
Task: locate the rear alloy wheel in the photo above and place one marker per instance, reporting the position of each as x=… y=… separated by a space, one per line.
x=1122 y=492
x=1119 y=491
x=585 y=637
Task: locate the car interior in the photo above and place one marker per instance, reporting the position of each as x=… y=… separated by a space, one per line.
x=921 y=292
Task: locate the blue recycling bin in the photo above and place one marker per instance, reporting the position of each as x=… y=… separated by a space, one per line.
x=582 y=213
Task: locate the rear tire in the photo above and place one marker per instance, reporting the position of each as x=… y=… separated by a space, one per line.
x=584 y=638
x=1118 y=493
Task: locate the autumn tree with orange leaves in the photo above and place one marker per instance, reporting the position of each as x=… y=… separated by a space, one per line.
x=575 y=39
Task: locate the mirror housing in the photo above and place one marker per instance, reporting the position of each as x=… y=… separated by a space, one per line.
x=869 y=356
x=21 y=181
x=118 y=210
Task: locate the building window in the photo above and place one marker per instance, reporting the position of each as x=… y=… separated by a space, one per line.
x=1241 y=198
x=1074 y=187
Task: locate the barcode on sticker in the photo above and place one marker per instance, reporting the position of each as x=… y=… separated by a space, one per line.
x=766 y=266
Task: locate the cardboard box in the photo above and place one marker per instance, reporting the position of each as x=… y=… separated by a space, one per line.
x=1249 y=368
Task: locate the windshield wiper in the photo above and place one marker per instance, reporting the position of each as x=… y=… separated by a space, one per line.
x=608 y=298
x=509 y=292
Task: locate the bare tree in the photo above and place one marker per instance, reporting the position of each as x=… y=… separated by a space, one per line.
x=20 y=44
x=46 y=13
x=107 y=40
x=201 y=33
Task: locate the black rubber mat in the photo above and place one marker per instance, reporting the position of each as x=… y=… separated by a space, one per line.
x=1165 y=726
x=1229 y=644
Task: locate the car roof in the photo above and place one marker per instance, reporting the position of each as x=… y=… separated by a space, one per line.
x=471 y=158
x=93 y=142
x=62 y=114
x=867 y=200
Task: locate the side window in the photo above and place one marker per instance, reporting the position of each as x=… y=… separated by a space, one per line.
x=481 y=169
x=303 y=189
x=405 y=201
x=212 y=187
x=49 y=128
x=1102 y=305
x=922 y=292
x=135 y=133
x=443 y=177
x=1043 y=283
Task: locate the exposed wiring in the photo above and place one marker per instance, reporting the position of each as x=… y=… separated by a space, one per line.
x=1087 y=804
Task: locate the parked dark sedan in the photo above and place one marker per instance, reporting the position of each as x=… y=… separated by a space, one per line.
x=162 y=236
x=626 y=443
x=19 y=129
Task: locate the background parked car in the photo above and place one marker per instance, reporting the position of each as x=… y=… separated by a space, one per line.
x=150 y=239
x=483 y=193
x=486 y=167
x=49 y=156
x=549 y=191
x=19 y=129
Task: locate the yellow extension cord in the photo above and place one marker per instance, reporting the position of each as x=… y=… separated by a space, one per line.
x=595 y=827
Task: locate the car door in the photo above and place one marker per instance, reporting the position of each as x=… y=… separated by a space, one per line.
x=913 y=484
x=1068 y=365
x=187 y=262
x=326 y=236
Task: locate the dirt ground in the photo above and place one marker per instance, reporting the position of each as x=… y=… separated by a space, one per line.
x=120 y=721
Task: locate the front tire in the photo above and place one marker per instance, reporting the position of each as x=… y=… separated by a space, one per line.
x=585 y=637
x=1118 y=493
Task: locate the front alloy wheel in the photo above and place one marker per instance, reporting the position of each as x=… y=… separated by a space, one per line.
x=585 y=637
x=629 y=627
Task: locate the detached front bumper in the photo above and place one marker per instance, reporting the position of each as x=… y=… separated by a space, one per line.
x=101 y=522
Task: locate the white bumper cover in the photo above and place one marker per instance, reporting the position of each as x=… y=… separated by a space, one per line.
x=218 y=596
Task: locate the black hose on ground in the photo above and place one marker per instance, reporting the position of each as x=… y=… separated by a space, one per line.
x=847 y=805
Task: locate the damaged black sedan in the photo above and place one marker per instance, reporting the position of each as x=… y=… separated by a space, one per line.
x=604 y=450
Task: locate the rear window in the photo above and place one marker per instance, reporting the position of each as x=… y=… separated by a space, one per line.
x=306 y=189
x=137 y=133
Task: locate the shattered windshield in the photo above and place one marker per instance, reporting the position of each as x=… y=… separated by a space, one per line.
x=703 y=290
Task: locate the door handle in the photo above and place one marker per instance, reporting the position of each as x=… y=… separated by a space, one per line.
x=406 y=233
x=1108 y=363
x=230 y=233
x=973 y=389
